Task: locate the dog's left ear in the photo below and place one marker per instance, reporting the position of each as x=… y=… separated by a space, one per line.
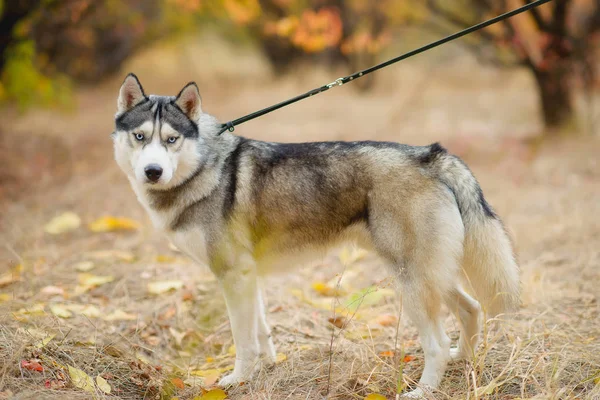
x=189 y=101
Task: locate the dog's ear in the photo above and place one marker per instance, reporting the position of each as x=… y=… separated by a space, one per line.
x=130 y=94
x=189 y=101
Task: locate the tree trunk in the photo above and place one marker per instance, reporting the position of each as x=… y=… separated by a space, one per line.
x=555 y=95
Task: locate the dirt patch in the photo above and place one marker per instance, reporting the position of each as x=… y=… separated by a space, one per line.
x=146 y=344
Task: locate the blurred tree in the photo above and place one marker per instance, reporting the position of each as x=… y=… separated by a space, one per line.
x=350 y=32
x=44 y=42
x=558 y=42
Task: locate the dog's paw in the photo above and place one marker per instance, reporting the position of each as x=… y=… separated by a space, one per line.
x=418 y=393
x=232 y=379
x=456 y=354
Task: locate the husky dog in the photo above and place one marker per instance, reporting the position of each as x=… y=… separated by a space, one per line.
x=248 y=208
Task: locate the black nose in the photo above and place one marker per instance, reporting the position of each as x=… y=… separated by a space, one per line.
x=153 y=172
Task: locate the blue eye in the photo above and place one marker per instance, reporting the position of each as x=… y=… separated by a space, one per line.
x=172 y=139
x=139 y=136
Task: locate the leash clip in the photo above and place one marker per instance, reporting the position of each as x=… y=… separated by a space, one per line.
x=337 y=82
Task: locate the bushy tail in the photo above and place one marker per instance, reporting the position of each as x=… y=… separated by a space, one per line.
x=491 y=271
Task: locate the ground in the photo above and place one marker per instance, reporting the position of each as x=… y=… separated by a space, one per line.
x=84 y=300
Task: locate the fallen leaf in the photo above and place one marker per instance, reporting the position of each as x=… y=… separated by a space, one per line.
x=32 y=365
x=122 y=255
x=161 y=287
x=408 y=358
x=53 y=291
x=65 y=222
x=362 y=333
x=231 y=350
x=375 y=396
x=368 y=297
x=54 y=384
x=387 y=353
x=84 y=266
x=280 y=357
x=81 y=380
x=177 y=382
x=14 y=275
x=60 y=311
x=103 y=384
x=325 y=290
x=90 y=311
x=387 y=320
x=162 y=258
x=337 y=321
x=178 y=336
x=110 y=223
x=34 y=310
x=120 y=315
x=94 y=280
x=210 y=380
x=208 y=372
x=45 y=341
x=215 y=394
x=5 y=297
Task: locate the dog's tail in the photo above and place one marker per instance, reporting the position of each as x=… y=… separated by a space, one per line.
x=490 y=269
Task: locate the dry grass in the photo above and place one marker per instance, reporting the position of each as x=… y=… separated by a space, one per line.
x=547 y=195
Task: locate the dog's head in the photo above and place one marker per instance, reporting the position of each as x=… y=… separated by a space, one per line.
x=158 y=140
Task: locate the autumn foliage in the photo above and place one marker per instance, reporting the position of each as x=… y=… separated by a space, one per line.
x=44 y=45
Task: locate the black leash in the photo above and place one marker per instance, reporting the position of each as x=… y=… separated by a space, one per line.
x=230 y=126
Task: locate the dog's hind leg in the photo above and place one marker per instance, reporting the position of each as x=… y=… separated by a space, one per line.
x=422 y=303
x=468 y=312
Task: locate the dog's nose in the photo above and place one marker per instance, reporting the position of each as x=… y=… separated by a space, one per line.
x=153 y=172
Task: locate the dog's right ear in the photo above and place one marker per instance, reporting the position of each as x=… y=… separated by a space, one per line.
x=130 y=94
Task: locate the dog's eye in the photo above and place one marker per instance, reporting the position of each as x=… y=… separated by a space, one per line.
x=139 y=136
x=172 y=139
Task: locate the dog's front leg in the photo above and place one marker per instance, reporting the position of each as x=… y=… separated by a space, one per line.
x=241 y=295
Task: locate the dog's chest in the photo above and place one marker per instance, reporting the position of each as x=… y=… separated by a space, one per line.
x=191 y=242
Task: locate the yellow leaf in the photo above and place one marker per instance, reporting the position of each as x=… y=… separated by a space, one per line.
x=84 y=266
x=109 y=224
x=280 y=357
x=375 y=396
x=120 y=315
x=209 y=372
x=90 y=311
x=161 y=287
x=94 y=280
x=45 y=341
x=231 y=350
x=81 y=380
x=60 y=311
x=215 y=394
x=14 y=275
x=65 y=222
x=4 y=297
x=325 y=290
x=36 y=309
x=163 y=258
x=122 y=255
x=103 y=385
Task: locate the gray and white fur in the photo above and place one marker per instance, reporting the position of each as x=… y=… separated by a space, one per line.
x=248 y=208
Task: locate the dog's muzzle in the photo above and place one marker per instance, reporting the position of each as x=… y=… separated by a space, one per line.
x=153 y=172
